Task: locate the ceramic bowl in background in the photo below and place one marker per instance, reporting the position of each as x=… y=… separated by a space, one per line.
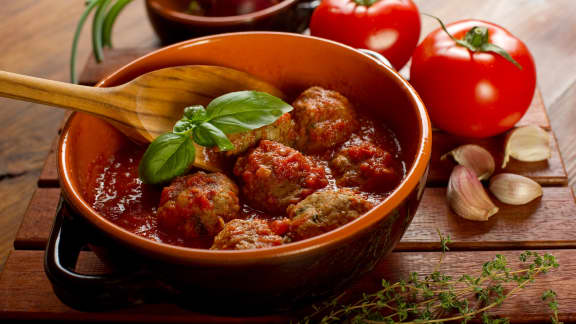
x=172 y=23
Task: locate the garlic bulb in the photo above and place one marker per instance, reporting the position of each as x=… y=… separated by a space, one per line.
x=474 y=157
x=528 y=144
x=514 y=189
x=467 y=197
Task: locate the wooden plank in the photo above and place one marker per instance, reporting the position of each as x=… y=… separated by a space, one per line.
x=35 y=228
x=549 y=173
x=26 y=293
x=536 y=114
x=547 y=222
x=563 y=116
x=49 y=176
x=113 y=60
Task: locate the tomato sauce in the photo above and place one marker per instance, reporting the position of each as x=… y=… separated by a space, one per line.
x=118 y=194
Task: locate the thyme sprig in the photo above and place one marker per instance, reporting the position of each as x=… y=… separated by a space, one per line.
x=440 y=298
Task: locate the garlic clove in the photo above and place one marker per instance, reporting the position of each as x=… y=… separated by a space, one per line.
x=467 y=197
x=474 y=157
x=528 y=143
x=514 y=189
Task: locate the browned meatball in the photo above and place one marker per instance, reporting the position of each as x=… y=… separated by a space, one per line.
x=198 y=204
x=274 y=176
x=367 y=166
x=324 y=118
x=282 y=131
x=324 y=211
x=241 y=234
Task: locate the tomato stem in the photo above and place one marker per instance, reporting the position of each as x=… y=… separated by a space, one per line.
x=366 y=3
x=477 y=39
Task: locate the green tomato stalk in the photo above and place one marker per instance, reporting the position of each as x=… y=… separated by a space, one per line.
x=477 y=40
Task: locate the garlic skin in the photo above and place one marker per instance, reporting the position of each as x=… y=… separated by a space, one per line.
x=528 y=144
x=514 y=189
x=474 y=157
x=467 y=197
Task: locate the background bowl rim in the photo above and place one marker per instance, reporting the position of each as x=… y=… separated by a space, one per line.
x=415 y=176
x=220 y=20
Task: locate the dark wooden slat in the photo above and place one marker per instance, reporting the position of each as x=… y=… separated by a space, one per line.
x=35 y=228
x=49 y=176
x=547 y=222
x=549 y=173
x=563 y=116
x=544 y=223
x=25 y=292
x=536 y=114
x=113 y=60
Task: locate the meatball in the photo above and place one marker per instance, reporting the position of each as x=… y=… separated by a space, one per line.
x=367 y=166
x=324 y=118
x=283 y=130
x=198 y=204
x=324 y=211
x=274 y=176
x=241 y=234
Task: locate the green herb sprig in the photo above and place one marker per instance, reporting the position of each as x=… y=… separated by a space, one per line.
x=439 y=298
x=172 y=154
x=106 y=13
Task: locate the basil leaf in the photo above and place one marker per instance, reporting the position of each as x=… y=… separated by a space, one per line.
x=217 y=136
x=195 y=113
x=245 y=110
x=170 y=155
x=202 y=137
x=182 y=126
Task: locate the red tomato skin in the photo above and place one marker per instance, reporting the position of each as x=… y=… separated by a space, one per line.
x=473 y=94
x=389 y=27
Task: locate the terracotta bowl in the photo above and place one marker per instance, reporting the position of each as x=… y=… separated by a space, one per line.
x=172 y=24
x=295 y=271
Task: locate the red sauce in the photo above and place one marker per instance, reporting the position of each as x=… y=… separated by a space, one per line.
x=118 y=194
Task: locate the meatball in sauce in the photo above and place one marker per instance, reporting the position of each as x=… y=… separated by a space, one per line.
x=242 y=234
x=198 y=204
x=315 y=169
x=324 y=211
x=324 y=119
x=273 y=176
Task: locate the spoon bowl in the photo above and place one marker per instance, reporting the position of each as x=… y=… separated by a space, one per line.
x=145 y=107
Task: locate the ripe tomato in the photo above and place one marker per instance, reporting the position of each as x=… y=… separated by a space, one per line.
x=468 y=93
x=389 y=27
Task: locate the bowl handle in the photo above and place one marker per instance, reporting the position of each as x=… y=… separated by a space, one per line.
x=377 y=56
x=69 y=236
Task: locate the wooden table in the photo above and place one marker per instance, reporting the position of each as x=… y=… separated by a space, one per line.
x=36 y=43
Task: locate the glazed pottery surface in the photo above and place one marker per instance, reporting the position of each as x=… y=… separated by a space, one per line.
x=172 y=24
x=295 y=271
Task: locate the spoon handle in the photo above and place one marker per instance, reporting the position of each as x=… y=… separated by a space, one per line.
x=98 y=101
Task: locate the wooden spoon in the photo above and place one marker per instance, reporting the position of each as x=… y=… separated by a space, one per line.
x=145 y=107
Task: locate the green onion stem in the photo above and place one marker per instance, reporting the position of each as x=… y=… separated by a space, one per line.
x=111 y=19
x=97 y=24
x=90 y=6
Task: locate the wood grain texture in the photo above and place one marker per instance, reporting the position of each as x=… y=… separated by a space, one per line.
x=547 y=222
x=36 y=37
x=37 y=224
x=550 y=172
x=26 y=293
x=563 y=115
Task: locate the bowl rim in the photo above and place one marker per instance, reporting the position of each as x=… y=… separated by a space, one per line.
x=415 y=176
x=186 y=18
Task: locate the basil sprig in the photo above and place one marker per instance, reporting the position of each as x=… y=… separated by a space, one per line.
x=172 y=154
